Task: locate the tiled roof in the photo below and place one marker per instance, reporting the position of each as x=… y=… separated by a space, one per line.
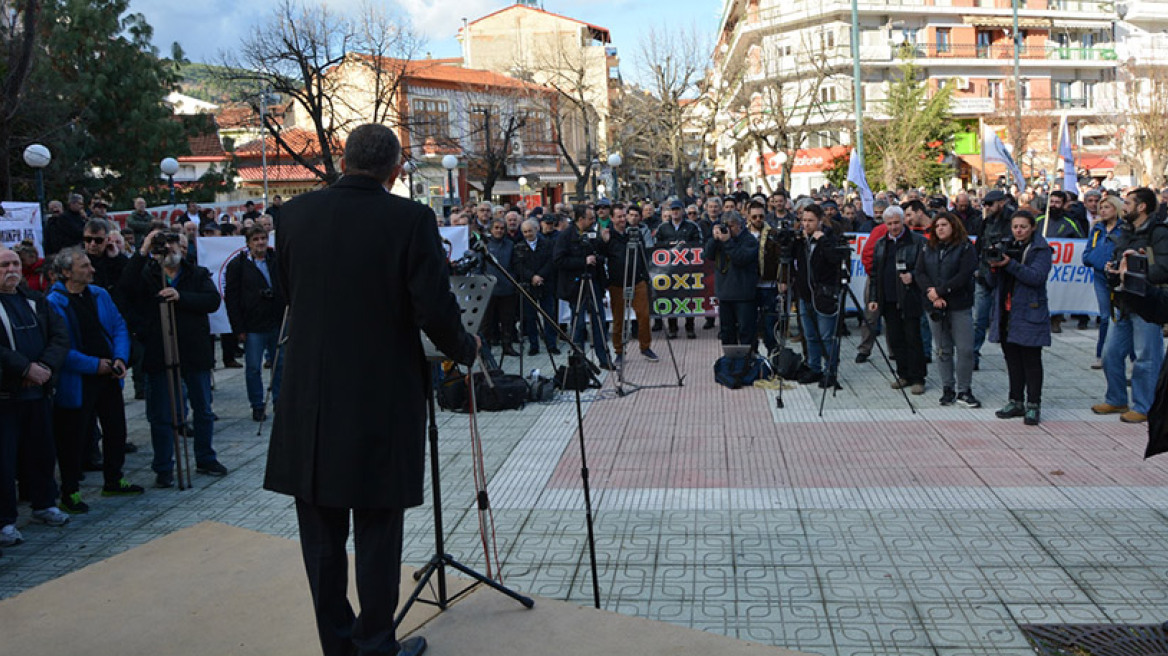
x=420 y=71
x=300 y=141
x=602 y=31
x=278 y=173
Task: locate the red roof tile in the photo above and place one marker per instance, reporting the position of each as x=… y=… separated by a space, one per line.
x=300 y=141
x=420 y=71
x=278 y=173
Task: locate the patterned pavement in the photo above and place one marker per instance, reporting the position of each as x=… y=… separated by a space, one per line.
x=871 y=530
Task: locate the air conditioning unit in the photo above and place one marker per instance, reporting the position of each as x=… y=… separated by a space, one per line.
x=962 y=83
x=420 y=189
x=517 y=147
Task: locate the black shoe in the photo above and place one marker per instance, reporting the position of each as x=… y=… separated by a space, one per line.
x=671 y=335
x=861 y=358
x=164 y=480
x=412 y=646
x=829 y=382
x=658 y=325
x=1033 y=415
x=553 y=350
x=690 y=334
x=131 y=447
x=928 y=359
x=1083 y=323
x=232 y=364
x=534 y=350
x=810 y=377
x=1010 y=410
x=268 y=364
x=709 y=324
x=72 y=504
x=948 y=396
x=212 y=468
x=510 y=350
x=124 y=488
x=968 y=400
x=258 y=414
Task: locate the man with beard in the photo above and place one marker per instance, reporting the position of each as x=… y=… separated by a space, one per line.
x=995 y=227
x=1057 y=224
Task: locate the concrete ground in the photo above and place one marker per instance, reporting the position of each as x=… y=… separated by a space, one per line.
x=871 y=530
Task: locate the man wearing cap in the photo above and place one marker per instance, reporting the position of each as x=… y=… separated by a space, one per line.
x=67 y=228
x=675 y=233
x=994 y=228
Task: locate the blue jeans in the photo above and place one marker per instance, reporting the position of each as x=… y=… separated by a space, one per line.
x=532 y=320
x=591 y=311
x=819 y=331
x=767 y=301
x=256 y=347
x=983 y=299
x=1147 y=340
x=1103 y=298
x=198 y=387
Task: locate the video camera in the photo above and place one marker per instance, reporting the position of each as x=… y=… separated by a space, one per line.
x=1135 y=281
x=785 y=235
x=1006 y=247
x=470 y=263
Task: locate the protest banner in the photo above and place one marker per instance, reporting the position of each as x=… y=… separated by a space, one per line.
x=173 y=213
x=21 y=221
x=214 y=254
x=683 y=283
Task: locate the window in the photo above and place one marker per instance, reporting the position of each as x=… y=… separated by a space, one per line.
x=984 y=40
x=943 y=42
x=431 y=119
x=994 y=88
x=487 y=134
x=827 y=94
x=1089 y=94
x=613 y=73
x=535 y=129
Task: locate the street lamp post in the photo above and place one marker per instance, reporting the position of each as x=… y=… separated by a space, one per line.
x=38 y=157
x=614 y=160
x=595 y=170
x=1030 y=154
x=169 y=167
x=449 y=162
x=409 y=167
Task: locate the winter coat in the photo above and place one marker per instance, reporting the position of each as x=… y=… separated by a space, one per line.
x=948 y=268
x=687 y=233
x=529 y=263
x=141 y=282
x=78 y=364
x=253 y=305
x=616 y=251
x=1029 y=319
x=735 y=266
x=817 y=276
x=503 y=250
x=1099 y=246
x=908 y=250
x=14 y=364
x=571 y=260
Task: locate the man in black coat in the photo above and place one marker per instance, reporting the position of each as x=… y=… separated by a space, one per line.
x=579 y=265
x=348 y=437
x=255 y=307
x=678 y=232
x=894 y=294
x=65 y=229
x=734 y=252
x=534 y=270
x=150 y=279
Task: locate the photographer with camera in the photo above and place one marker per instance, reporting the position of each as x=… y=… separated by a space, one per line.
x=255 y=308
x=997 y=208
x=894 y=294
x=674 y=233
x=158 y=273
x=945 y=274
x=817 y=284
x=734 y=252
x=619 y=243
x=1142 y=244
x=90 y=383
x=580 y=268
x=1020 y=315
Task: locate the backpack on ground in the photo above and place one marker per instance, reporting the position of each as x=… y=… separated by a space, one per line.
x=789 y=364
x=574 y=377
x=509 y=391
x=740 y=371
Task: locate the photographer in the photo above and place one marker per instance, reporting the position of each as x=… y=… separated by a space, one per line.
x=945 y=274
x=1142 y=241
x=893 y=293
x=674 y=233
x=159 y=273
x=1020 y=316
x=995 y=227
x=818 y=284
x=255 y=307
x=616 y=249
x=533 y=268
x=578 y=263
x=734 y=252
x=90 y=384
x=773 y=245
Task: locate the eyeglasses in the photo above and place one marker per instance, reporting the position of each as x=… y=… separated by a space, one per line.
x=93 y=240
x=692 y=213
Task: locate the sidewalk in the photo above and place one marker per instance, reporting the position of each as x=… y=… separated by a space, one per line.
x=871 y=530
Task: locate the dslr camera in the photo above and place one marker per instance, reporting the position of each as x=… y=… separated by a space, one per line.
x=162 y=241
x=1005 y=247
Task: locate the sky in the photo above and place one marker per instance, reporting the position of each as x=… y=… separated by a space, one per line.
x=206 y=28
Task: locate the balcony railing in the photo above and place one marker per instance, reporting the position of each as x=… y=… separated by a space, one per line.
x=1006 y=51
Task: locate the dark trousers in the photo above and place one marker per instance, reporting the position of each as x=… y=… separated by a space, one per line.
x=739 y=321
x=671 y=322
x=377 y=538
x=499 y=319
x=532 y=320
x=26 y=445
x=101 y=399
x=230 y=344
x=904 y=338
x=1024 y=367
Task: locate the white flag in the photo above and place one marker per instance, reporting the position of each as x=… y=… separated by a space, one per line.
x=1070 y=176
x=857 y=177
x=995 y=151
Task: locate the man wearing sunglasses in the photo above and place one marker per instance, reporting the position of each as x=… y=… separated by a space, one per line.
x=107 y=270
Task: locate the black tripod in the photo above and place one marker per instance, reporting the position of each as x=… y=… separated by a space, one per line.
x=634 y=262
x=170 y=358
x=783 y=323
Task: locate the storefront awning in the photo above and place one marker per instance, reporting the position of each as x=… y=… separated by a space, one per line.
x=554 y=178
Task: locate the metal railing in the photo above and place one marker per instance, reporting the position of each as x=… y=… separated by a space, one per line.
x=1006 y=51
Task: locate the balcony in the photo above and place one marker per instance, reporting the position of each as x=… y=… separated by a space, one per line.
x=1000 y=51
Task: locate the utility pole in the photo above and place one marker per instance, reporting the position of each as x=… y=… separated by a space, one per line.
x=857 y=83
x=1017 y=83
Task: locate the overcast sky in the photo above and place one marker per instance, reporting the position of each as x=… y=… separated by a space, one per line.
x=205 y=28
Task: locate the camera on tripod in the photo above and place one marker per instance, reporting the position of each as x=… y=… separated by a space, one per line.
x=1005 y=248
x=470 y=262
x=591 y=242
x=785 y=236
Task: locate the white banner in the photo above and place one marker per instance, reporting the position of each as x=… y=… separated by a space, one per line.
x=214 y=254
x=455 y=240
x=172 y=213
x=21 y=221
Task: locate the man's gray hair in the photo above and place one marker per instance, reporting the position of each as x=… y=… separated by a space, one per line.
x=530 y=223
x=893 y=210
x=76 y=198
x=64 y=259
x=97 y=225
x=732 y=217
x=1093 y=193
x=372 y=149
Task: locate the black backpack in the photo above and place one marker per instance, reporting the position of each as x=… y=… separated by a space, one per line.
x=574 y=378
x=508 y=392
x=789 y=364
x=736 y=372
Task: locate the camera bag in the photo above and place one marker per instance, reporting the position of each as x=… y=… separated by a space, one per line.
x=736 y=372
x=542 y=389
x=451 y=394
x=508 y=393
x=574 y=377
x=789 y=364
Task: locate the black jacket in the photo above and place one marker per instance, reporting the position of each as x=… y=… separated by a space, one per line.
x=818 y=271
x=63 y=231
x=197 y=298
x=616 y=252
x=908 y=251
x=1153 y=237
x=948 y=269
x=528 y=263
x=14 y=364
x=688 y=233
x=735 y=266
x=570 y=257
x=350 y=424
x=107 y=271
x=253 y=305
x=994 y=229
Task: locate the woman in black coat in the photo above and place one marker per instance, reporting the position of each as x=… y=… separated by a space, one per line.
x=944 y=272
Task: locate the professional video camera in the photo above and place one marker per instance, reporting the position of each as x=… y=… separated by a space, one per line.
x=785 y=235
x=162 y=241
x=470 y=262
x=591 y=241
x=1006 y=247
x=1135 y=281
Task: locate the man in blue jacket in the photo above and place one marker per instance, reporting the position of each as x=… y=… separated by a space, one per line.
x=90 y=385
x=734 y=252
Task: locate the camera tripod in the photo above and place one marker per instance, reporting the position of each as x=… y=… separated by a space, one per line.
x=635 y=262
x=170 y=358
x=783 y=324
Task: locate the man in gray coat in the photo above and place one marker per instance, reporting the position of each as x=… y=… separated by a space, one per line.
x=348 y=436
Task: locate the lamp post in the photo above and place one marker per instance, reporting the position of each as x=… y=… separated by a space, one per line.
x=781 y=160
x=595 y=170
x=1030 y=154
x=449 y=162
x=38 y=157
x=409 y=167
x=522 y=187
x=169 y=167
x=615 y=160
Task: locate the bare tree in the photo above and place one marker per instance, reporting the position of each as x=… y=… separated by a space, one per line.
x=496 y=121
x=1144 y=124
x=18 y=31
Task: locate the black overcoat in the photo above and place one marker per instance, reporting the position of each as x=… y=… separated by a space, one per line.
x=363 y=271
x=197 y=300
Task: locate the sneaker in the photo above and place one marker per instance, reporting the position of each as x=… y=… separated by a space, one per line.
x=10 y=537
x=968 y=400
x=533 y=350
x=810 y=377
x=72 y=504
x=1108 y=409
x=1097 y=364
x=1010 y=410
x=861 y=358
x=213 y=468
x=164 y=480
x=1133 y=417
x=1033 y=415
x=123 y=489
x=258 y=414
x=51 y=516
x=948 y=396
x=899 y=383
x=650 y=355
x=917 y=389
x=658 y=325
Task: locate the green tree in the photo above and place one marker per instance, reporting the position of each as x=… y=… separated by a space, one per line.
x=904 y=145
x=96 y=97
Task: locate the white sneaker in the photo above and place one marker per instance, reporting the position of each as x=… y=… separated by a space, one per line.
x=9 y=536
x=53 y=516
